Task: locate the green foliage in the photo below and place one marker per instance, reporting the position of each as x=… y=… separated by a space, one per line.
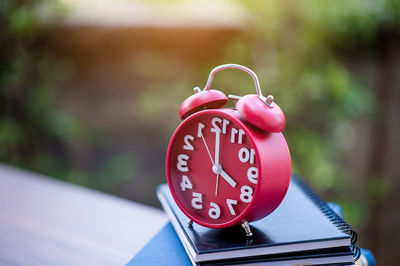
x=118 y=169
x=34 y=132
x=299 y=49
x=26 y=87
x=296 y=47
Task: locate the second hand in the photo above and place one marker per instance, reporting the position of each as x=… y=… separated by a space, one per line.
x=205 y=144
x=216 y=186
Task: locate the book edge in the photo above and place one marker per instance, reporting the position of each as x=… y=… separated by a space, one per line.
x=242 y=252
x=176 y=224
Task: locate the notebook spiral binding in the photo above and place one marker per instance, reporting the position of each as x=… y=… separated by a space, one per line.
x=328 y=212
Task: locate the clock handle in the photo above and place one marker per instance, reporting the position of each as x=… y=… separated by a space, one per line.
x=260 y=111
x=268 y=101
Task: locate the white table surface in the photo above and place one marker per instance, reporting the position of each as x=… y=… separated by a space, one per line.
x=48 y=222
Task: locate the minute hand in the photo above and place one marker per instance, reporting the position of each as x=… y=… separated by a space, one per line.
x=216 y=155
x=228 y=178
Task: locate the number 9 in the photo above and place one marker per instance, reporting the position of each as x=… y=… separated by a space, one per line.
x=252 y=174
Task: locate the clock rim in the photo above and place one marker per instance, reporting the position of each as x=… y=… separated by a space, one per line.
x=236 y=118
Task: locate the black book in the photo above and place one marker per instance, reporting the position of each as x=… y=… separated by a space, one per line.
x=302 y=227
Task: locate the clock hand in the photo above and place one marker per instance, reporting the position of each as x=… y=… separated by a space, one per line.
x=216 y=158
x=227 y=178
x=214 y=165
x=205 y=144
x=216 y=185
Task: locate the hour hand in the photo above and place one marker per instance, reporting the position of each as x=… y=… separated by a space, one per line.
x=228 y=178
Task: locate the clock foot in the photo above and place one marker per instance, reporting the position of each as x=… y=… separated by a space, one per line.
x=247 y=229
x=190 y=223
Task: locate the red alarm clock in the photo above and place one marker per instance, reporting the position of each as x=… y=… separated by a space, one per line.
x=228 y=166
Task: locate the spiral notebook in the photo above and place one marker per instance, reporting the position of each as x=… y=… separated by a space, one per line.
x=302 y=225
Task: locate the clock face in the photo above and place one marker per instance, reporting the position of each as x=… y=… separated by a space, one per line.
x=212 y=169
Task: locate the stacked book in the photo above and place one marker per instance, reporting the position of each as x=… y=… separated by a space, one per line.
x=302 y=230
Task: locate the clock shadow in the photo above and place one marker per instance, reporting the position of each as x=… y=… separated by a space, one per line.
x=230 y=237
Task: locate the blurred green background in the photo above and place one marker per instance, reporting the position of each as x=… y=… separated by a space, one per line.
x=90 y=92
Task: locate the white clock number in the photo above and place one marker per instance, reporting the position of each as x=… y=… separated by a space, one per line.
x=225 y=123
x=186 y=184
x=252 y=174
x=247 y=193
x=197 y=201
x=245 y=155
x=215 y=128
x=240 y=135
x=200 y=130
x=182 y=162
x=214 y=212
x=231 y=202
x=188 y=145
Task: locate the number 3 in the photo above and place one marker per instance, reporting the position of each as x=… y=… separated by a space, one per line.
x=182 y=162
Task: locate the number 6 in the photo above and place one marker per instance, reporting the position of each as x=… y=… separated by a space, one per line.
x=214 y=212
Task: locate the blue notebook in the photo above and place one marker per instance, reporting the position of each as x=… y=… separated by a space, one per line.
x=163 y=249
x=303 y=226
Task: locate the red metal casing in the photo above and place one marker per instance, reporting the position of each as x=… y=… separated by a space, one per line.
x=258 y=113
x=273 y=163
x=206 y=99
